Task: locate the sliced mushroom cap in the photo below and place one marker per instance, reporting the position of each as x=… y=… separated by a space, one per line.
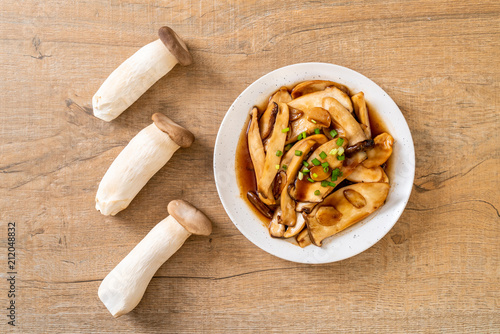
x=276 y=143
x=363 y=174
x=259 y=205
x=303 y=238
x=364 y=146
x=353 y=203
x=266 y=121
x=312 y=100
x=292 y=231
x=344 y=118
x=312 y=86
x=255 y=147
x=306 y=207
x=381 y=152
x=276 y=229
x=359 y=103
x=310 y=120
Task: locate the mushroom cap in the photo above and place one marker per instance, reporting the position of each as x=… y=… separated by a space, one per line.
x=175 y=45
x=181 y=136
x=190 y=217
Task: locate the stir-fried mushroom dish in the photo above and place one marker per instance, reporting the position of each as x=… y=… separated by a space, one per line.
x=317 y=164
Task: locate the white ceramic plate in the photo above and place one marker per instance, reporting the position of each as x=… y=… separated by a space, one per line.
x=358 y=237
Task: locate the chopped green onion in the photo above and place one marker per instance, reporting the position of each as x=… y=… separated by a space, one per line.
x=341 y=157
x=316 y=131
x=285 y=130
x=322 y=155
x=325 y=165
x=285 y=167
x=340 y=141
x=301 y=176
x=316 y=162
x=333 y=133
x=310 y=180
x=279 y=153
x=333 y=151
x=317 y=193
x=305 y=170
x=288 y=147
x=305 y=163
x=331 y=184
x=324 y=183
x=298 y=153
x=277 y=166
x=313 y=121
x=299 y=137
x=315 y=175
x=341 y=151
x=304 y=135
x=335 y=173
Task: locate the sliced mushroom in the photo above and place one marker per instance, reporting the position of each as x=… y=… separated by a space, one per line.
x=373 y=196
x=266 y=127
x=293 y=162
x=306 y=191
x=266 y=121
x=311 y=119
x=259 y=205
x=279 y=183
x=276 y=143
x=363 y=174
x=364 y=145
x=344 y=118
x=303 y=238
x=255 y=146
x=359 y=103
x=292 y=231
x=335 y=126
x=381 y=152
x=313 y=100
x=312 y=86
x=305 y=206
x=298 y=152
x=287 y=204
x=295 y=114
x=276 y=229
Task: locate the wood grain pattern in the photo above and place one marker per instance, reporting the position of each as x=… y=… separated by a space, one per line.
x=436 y=271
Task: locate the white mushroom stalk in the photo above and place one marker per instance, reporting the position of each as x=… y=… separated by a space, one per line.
x=122 y=289
x=146 y=153
x=138 y=73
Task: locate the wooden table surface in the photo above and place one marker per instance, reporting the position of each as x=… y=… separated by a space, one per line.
x=437 y=270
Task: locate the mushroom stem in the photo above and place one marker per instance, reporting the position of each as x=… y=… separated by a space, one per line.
x=122 y=289
x=124 y=286
x=138 y=73
x=144 y=155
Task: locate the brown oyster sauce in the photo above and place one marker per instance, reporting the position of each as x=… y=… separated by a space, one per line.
x=245 y=174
